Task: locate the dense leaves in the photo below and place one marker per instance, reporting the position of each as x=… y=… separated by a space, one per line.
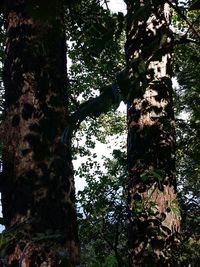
x=188 y=156
x=103 y=213
x=95 y=55
x=95 y=47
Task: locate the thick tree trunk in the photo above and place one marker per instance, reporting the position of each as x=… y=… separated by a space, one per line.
x=37 y=184
x=154 y=217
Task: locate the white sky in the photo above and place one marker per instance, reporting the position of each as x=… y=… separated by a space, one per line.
x=117 y=6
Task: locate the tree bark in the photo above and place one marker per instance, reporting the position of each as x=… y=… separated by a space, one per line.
x=37 y=183
x=154 y=217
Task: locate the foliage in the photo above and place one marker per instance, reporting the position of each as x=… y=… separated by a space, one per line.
x=187 y=69
x=95 y=48
x=95 y=52
x=102 y=216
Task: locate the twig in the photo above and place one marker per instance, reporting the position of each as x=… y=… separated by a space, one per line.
x=106 y=3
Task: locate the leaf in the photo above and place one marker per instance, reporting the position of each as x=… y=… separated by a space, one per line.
x=110 y=261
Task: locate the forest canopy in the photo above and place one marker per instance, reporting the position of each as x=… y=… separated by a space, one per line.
x=66 y=69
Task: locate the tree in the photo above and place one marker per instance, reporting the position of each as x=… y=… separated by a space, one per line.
x=136 y=78
x=154 y=216
x=37 y=181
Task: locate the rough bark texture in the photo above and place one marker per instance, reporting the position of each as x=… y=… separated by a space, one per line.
x=154 y=217
x=37 y=183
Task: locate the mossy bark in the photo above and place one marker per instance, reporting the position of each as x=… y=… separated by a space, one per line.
x=37 y=183
x=154 y=218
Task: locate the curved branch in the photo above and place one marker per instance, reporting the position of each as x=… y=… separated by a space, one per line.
x=94 y=107
x=110 y=97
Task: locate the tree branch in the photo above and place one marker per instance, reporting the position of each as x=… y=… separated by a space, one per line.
x=191 y=26
x=94 y=107
x=110 y=97
x=106 y=3
x=184 y=40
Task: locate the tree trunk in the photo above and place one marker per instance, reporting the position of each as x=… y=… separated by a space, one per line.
x=37 y=184
x=154 y=217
